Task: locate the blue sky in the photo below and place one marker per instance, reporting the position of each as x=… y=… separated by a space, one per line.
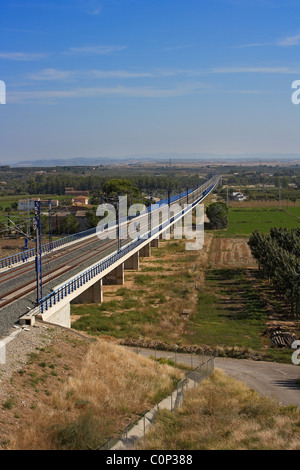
x=101 y=78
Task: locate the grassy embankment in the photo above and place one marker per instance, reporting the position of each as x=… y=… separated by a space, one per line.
x=224 y=414
x=103 y=391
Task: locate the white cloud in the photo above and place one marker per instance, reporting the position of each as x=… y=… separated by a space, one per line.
x=81 y=76
x=104 y=74
x=285 y=42
x=95 y=12
x=290 y=41
x=96 y=50
x=96 y=92
x=276 y=70
x=51 y=74
x=54 y=74
x=21 y=56
x=255 y=44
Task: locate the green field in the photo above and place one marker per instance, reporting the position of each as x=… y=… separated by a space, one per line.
x=243 y=221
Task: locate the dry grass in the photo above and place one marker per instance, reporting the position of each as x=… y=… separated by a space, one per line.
x=150 y=304
x=112 y=387
x=224 y=414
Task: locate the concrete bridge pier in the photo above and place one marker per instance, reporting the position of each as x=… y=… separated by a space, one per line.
x=116 y=276
x=145 y=252
x=60 y=316
x=155 y=243
x=133 y=262
x=92 y=295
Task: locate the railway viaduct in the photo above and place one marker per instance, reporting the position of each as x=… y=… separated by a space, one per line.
x=86 y=285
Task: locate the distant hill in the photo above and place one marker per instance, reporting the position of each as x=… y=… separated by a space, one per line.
x=159 y=158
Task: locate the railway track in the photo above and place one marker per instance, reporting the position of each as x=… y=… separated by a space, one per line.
x=29 y=286
x=13 y=294
x=30 y=265
x=20 y=281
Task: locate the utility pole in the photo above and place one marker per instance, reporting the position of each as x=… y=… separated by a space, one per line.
x=150 y=213
x=28 y=225
x=8 y=225
x=119 y=228
x=37 y=226
x=279 y=198
x=50 y=223
x=227 y=199
x=169 y=204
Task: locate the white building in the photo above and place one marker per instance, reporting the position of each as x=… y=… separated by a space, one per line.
x=237 y=196
x=25 y=204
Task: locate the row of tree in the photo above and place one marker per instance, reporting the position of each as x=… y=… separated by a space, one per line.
x=56 y=183
x=277 y=255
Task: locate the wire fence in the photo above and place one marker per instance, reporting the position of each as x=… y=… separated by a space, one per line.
x=137 y=430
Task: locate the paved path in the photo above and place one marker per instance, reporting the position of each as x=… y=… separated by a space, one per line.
x=270 y=379
x=267 y=378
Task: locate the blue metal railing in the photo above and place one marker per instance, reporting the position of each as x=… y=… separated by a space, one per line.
x=70 y=286
x=48 y=247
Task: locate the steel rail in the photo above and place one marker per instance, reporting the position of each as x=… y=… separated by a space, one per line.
x=59 y=271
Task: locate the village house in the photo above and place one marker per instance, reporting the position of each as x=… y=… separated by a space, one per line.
x=80 y=201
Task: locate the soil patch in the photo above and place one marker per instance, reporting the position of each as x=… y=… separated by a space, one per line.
x=231 y=253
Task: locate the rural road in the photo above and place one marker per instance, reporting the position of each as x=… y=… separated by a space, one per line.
x=271 y=379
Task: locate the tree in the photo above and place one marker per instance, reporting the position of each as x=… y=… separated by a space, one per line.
x=69 y=224
x=278 y=255
x=91 y=218
x=115 y=186
x=217 y=212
